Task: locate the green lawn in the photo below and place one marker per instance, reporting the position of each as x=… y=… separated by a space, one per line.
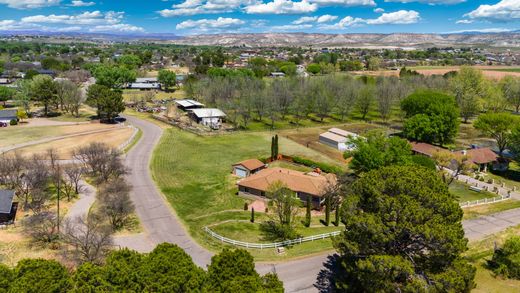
x=252 y=232
x=481 y=251
x=194 y=173
x=488 y=209
x=516 y=69
x=463 y=192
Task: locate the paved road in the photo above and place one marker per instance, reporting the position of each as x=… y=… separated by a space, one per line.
x=156 y=215
x=87 y=196
x=480 y=228
x=161 y=224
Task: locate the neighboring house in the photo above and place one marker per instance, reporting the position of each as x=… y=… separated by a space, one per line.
x=144 y=86
x=4 y=81
x=248 y=167
x=7 y=115
x=277 y=74
x=484 y=157
x=209 y=117
x=481 y=157
x=311 y=184
x=425 y=149
x=48 y=72
x=339 y=139
x=186 y=105
x=8 y=208
x=146 y=80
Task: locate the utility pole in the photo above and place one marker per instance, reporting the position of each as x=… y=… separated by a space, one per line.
x=58 y=175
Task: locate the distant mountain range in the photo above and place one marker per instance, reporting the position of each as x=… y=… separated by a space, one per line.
x=394 y=40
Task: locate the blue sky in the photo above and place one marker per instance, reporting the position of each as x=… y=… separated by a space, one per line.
x=184 y=17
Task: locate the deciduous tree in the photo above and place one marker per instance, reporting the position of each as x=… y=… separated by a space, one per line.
x=498 y=126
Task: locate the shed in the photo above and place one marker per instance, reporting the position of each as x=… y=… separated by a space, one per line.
x=146 y=80
x=246 y=168
x=208 y=116
x=8 y=208
x=7 y=115
x=145 y=86
x=188 y=104
x=333 y=140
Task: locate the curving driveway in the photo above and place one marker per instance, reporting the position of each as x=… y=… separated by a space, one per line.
x=162 y=225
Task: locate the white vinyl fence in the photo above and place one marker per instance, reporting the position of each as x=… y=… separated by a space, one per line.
x=270 y=245
x=484 y=201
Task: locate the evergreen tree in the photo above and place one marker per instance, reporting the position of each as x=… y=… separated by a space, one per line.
x=252 y=215
x=336 y=221
x=327 y=210
x=308 y=212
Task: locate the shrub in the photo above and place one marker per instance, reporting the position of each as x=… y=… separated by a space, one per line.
x=246 y=206
x=424 y=161
x=506 y=260
x=322 y=166
x=13 y=122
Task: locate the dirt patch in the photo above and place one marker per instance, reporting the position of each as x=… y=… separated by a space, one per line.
x=488 y=71
x=65 y=147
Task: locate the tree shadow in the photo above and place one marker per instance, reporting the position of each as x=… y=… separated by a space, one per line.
x=328 y=275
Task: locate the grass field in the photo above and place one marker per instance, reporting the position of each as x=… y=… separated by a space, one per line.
x=481 y=251
x=488 y=209
x=506 y=69
x=113 y=137
x=251 y=232
x=194 y=173
x=463 y=192
x=20 y=134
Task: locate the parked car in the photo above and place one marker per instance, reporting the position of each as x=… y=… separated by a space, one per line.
x=119 y=119
x=3 y=124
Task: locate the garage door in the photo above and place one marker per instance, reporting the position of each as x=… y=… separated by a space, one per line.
x=240 y=172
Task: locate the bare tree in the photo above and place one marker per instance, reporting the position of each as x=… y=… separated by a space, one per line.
x=42 y=227
x=115 y=202
x=101 y=161
x=73 y=174
x=90 y=238
x=285 y=203
x=365 y=100
x=347 y=98
x=386 y=96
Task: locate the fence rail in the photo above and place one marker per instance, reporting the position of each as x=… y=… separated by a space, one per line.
x=270 y=245
x=484 y=201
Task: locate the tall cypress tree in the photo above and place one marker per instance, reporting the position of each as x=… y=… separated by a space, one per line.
x=272 y=148
x=336 y=222
x=252 y=215
x=327 y=211
x=308 y=213
x=276 y=146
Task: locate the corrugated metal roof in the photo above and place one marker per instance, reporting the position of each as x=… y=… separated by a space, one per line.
x=11 y=113
x=189 y=103
x=334 y=137
x=208 y=113
x=6 y=201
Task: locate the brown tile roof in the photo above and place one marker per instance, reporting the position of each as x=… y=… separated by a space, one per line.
x=311 y=183
x=425 y=148
x=251 y=164
x=481 y=156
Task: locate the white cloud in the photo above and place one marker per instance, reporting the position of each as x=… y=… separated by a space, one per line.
x=95 y=21
x=120 y=27
x=431 y=2
x=291 y=27
x=344 y=2
x=282 y=7
x=86 y=18
x=319 y=19
x=464 y=21
x=379 y=10
x=195 y=7
x=484 y=30
x=208 y=24
x=29 y=4
x=398 y=17
x=79 y=3
x=503 y=11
